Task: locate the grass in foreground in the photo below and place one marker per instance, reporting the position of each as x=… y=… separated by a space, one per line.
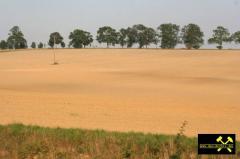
x=32 y=142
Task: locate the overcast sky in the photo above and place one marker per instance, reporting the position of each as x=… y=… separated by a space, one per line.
x=38 y=18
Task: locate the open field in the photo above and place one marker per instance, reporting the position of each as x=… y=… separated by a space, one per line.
x=123 y=90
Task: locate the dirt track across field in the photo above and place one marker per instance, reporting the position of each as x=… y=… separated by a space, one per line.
x=123 y=90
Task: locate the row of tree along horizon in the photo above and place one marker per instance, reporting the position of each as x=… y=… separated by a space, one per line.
x=167 y=36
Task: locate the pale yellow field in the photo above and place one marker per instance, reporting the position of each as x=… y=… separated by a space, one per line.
x=123 y=90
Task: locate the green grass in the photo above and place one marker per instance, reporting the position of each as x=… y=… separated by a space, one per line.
x=32 y=142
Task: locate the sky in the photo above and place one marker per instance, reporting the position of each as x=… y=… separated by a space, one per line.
x=38 y=18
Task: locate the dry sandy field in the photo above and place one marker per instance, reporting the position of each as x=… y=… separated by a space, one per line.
x=122 y=90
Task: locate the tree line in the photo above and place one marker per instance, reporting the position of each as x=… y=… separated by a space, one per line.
x=166 y=36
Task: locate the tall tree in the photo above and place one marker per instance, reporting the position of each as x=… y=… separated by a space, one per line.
x=141 y=35
x=80 y=38
x=122 y=37
x=131 y=37
x=107 y=35
x=192 y=36
x=40 y=45
x=151 y=37
x=145 y=35
x=3 y=45
x=87 y=39
x=33 y=45
x=236 y=37
x=16 y=39
x=55 y=39
x=169 y=34
x=220 y=35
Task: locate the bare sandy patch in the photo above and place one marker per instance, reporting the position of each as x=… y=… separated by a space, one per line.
x=123 y=90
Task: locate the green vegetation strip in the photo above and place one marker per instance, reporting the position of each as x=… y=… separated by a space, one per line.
x=19 y=141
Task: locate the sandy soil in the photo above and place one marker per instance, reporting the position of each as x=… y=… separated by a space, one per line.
x=123 y=90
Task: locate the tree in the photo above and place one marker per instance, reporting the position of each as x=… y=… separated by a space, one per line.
x=169 y=34
x=80 y=38
x=55 y=39
x=40 y=45
x=131 y=37
x=192 y=36
x=122 y=37
x=16 y=39
x=33 y=45
x=87 y=39
x=63 y=44
x=107 y=35
x=151 y=37
x=141 y=35
x=156 y=39
x=236 y=37
x=3 y=45
x=220 y=35
x=145 y=36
